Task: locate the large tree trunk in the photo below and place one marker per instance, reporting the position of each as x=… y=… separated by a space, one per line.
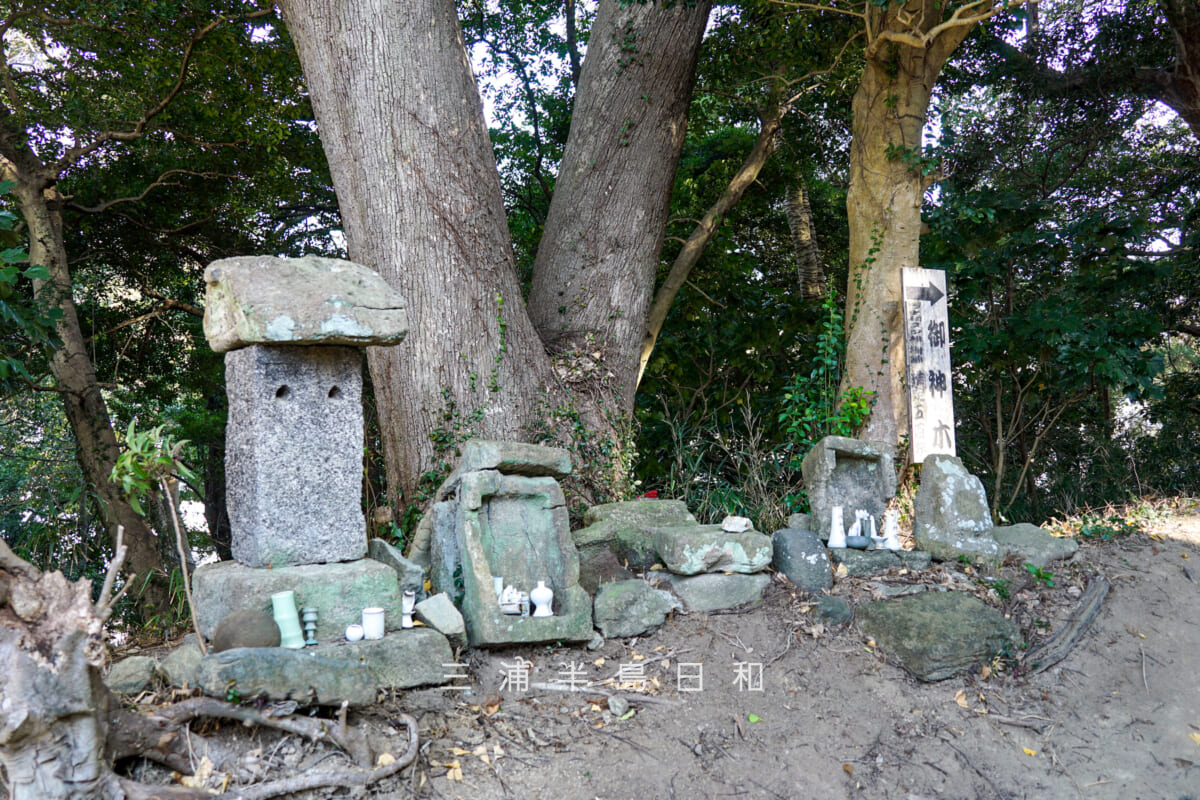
x=1179 y=87
x=809 y=269
x=403 y=129
x=888 y=179
x=594 y=273
x=402 y=125
x=97 y=449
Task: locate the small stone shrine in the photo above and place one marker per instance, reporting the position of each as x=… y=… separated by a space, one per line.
x=853 y=474
x=290 y=329
x=501 y=522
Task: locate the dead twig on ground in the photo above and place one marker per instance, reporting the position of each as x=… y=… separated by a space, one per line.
x=1059 y=646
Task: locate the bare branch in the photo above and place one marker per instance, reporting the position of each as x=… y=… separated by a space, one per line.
x=161 y=180
x=815 y=7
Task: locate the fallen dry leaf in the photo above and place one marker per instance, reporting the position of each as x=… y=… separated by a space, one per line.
x=458 y=751
x=385 y=759
x=599 y=662
x=453 y=770
x=985 y=672
x=848 y=769
x=841 y=571
x=1195 y=737
x=1029 y=752
x=960 y=697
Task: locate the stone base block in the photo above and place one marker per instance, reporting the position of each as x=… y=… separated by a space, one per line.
x=572 y=622
x=339 y=592
x=400 y=660
x=714 y=592
x=274 y=673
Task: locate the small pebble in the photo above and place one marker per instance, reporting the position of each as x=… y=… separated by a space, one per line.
x=596 y=642
x=1074 y=592
x=618 y=706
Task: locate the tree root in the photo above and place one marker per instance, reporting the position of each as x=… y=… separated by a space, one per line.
x=1058 y=646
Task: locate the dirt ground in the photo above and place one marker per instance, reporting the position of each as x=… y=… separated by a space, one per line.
x=771 y=703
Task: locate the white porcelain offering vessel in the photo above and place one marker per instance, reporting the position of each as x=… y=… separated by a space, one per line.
x=283 y=604
x=407 y=604
x=542 y=597
x=837 y=529
x=354 y=632
x=891 y=529
x=372 y=623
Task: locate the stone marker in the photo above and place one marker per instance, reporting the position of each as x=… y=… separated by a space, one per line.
x=491 y=524
x=312 y=300
x=800 y=556
x=693 y=549
x=950 y=511
x=845 y=472
x=629 y=608
x=936 y=635
x=293 y=458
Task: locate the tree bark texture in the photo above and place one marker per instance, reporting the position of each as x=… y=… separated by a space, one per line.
x=1179 y=87
x=809 y=269
x=887 y=185
x=689 y=255
x=403 y=129
x=75 y=376
x=594 y=274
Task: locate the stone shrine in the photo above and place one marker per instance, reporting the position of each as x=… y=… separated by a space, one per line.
x=853 y=474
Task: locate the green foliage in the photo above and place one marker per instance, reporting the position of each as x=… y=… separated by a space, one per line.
x=813 y=407
x=149 y=459
x=1041 y=575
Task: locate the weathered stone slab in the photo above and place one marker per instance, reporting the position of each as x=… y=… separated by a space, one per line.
x=915 y=560
x=293 y=458
x=400 y=660
x=1033 y=545
x=693 y=549
x=865 y=562
x=339 y=592
x=276 y=673
x=629 y=608
x=515 y=458
x=936 y=635
x=311 y=300
x=410 y=574
x=713 y=592
x=246 y=627
x=132 y=675
x=850 y=473
x=951 y=517
x=516 y=528
x=801 y=556
x=627 y=529
x=440 y=613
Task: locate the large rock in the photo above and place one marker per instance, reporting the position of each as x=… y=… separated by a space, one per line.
x=311 y=300
x=850 y=473
x=598 y=566
x=800 y=555
x=1033 y=545
x=132 y=675
x=629 y=608
x=714 y=592
x=293 y=455
x=179 y=666
x=280 y=674
x=693 y=549
x=951 y=517
x=401 y=660
x=937 y=635
x=627 y=529
x=411 y=575
x=339 y=592
x=246 y=627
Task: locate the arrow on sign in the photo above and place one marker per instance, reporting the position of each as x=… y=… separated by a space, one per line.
x=931 y=294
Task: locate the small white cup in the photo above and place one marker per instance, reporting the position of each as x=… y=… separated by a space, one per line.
x=354 y=632
x=372 y=623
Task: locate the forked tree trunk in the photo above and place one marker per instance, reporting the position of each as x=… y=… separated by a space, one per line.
x=403 y=129
x=888 y=178
x=75 y=377
x=809 y=269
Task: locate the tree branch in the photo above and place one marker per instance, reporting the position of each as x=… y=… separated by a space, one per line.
x=161 y=180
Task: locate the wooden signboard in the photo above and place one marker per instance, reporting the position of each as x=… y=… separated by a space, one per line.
x=927 y=360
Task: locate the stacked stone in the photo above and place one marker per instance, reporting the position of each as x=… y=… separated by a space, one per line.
x=291 y=330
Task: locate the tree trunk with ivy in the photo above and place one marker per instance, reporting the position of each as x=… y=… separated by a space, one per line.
x=908 y=44
x=403 y=129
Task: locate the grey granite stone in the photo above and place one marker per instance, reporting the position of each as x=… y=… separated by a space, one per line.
x=951 y=517
x=401 y=660
x=713 y=592
x=311 y=300
x=245 y=627
x=627 y=529
x=1033 y=545
x=629 y=608
x=440 y=613
x=692 y=549
x=179 y=666
x=936 y=635
x=515 y=458
x=801 y=556
x=132 y=675
x=293 y=458
x=834 y=610
x=850 y=473
x=339 y=592
x=915 y=560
